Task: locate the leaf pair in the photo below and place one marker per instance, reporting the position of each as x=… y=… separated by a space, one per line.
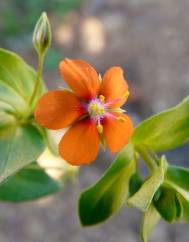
x=21 y=141
x=170 y=202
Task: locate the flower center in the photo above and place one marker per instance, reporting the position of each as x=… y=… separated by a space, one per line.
x=96 y=109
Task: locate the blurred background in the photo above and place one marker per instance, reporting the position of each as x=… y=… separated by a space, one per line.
x=150 y=40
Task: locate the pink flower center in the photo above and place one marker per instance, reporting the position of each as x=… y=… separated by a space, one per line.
x=96 y=109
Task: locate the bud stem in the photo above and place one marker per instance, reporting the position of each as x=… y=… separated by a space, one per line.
x=41 y=42
x=38 y=77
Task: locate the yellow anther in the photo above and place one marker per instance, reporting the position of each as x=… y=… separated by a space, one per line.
x=127 y=94
x=121 y=119
x=101 y=98
x=93 y=107
x=101 y=110
x=100 y=128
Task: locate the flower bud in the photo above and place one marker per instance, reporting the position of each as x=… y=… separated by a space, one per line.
x=42 y=34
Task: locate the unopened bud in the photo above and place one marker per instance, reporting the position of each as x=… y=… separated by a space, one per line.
x=42 y=34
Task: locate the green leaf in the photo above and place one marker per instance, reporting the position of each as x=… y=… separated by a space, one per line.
x=172 y=203
x=151 y=218
x=143 y=197
x=184 y=207
x=179 y=208
x=167 y=205
x=5 y=119
x=19 y=145
x=28 y=184
x=5 y=107
x=16 y=73
x=109 y=194
x=177 y=178
x=166 y=130
x=11 y=97
x=135 y=183
x=16 y=81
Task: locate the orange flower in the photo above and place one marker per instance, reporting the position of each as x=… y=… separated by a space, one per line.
x=92 y=108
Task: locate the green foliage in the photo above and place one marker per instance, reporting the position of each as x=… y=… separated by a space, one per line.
x=184 y=208
x=166 y=130
x=143 y=197
x=172 y=202
x=28 y=184
x=177 y=178
x=166 y=205
x=109 y=194
x=20 y=140
x=17 y=81
x=135 y=183
x=19 y=145
x=151 y=218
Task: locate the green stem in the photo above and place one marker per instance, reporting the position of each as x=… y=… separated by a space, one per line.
x=147 y=157
x=154 y=156
x=35 y=167
x=38 y=78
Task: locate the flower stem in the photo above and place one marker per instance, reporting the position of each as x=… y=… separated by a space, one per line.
x=38 y=78
x=35 y=167
x=147 y=157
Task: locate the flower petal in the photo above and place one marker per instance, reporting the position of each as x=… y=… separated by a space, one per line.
x=80 y=144
x=114 y=86
x=117 y=133
x=81 y=77
x=58 y=109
